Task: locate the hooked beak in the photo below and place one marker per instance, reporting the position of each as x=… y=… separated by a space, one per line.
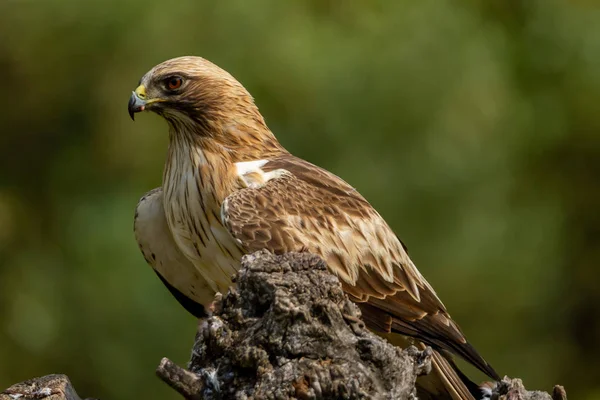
x=135 y=105
x=137 y=101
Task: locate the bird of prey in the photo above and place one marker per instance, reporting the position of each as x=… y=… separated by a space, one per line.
x=230 y=188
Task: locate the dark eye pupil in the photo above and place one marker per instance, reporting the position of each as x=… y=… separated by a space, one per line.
x=174 y=83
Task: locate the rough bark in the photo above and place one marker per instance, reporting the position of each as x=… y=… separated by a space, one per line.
x=513 y=389
x=49 y=387
x=287 y=331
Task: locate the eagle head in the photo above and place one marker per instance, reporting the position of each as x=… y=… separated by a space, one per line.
x=207 y=107
x=192 y=91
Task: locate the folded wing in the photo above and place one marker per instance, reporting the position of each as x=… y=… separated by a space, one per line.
x=292 y=205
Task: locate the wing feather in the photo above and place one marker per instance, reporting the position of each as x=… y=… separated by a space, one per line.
x=307 y=208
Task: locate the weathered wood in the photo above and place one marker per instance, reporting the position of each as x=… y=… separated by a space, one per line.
x=186 y=383
x=288 y=331
x=49 y=387
x=513 y=389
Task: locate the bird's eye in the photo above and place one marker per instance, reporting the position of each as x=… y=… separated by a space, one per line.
x=173 y=82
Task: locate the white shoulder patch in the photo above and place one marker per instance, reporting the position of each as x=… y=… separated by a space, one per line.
x=247 y=167
x=251 y=174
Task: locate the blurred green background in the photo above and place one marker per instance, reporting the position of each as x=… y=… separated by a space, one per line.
x=472 y=126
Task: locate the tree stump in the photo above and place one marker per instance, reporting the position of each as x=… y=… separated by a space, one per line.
x=287 y=331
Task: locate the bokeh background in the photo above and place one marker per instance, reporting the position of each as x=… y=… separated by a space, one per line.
x=472 y=126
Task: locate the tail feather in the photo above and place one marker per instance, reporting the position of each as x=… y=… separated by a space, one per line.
x=445 y=382
x=421 y=330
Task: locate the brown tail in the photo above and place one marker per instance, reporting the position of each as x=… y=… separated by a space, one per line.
x=446 y=381
x=444 y=341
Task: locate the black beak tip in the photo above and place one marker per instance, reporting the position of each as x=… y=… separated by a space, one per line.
x=135 y=105
x=131 y=107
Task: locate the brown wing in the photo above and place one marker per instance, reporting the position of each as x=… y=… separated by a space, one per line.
x=306 y=208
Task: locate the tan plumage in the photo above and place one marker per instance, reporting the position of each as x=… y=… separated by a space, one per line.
x=230 y=188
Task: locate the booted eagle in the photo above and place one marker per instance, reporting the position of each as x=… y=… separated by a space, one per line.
x=230 y=188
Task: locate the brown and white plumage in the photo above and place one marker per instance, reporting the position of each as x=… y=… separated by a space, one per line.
x=154 y=237
x=229 y=188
